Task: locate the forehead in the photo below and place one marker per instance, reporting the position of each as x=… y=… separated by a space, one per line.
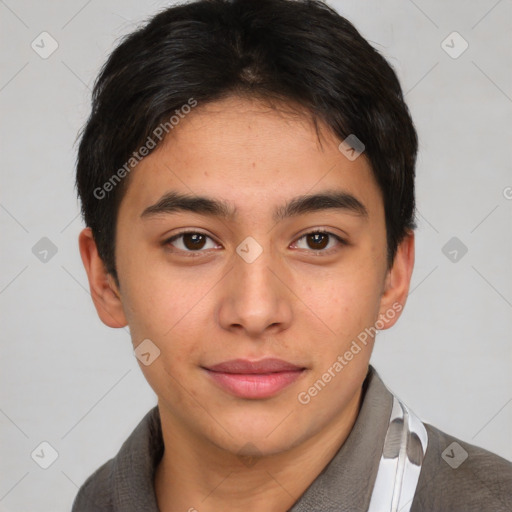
x=251 y=156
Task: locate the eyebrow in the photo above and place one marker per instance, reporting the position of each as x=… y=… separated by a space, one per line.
x=173 y=202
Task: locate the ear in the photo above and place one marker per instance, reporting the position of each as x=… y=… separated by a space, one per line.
x=396 y=286
x=104 y=292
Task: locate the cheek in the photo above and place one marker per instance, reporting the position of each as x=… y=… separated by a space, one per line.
x=165 y=311
x=158 y=300
x=345 y=300
x=179 y=351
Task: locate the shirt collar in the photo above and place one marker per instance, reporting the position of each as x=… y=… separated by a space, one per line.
x=347 y=481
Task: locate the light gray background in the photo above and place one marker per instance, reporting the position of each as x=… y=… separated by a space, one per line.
x=69 y=380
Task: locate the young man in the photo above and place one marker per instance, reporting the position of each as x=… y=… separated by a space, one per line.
x=247 y=181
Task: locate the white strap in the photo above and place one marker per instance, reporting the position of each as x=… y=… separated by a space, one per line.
x=400 y=464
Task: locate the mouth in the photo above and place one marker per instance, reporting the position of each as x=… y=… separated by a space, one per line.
x=254 y=379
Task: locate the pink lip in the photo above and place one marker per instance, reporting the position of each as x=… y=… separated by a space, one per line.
x=254 y=379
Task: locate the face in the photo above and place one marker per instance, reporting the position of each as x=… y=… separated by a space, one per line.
x=270 y=275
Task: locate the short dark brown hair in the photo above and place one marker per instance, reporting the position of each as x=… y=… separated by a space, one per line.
x=297 y=51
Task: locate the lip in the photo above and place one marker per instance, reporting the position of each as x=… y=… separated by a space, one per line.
x=254 y=379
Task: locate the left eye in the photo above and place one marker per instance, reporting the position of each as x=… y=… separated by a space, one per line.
x=193 y=241
x=319 y=240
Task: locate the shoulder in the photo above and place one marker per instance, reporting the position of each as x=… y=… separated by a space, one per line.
x=95 y=495
x=126 y=479
x=459 y=476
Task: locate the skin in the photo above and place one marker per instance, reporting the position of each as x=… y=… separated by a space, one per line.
x=223 y=452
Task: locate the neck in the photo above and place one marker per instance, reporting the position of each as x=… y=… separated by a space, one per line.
x=195 y=475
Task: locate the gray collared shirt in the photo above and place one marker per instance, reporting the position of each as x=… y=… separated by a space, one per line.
x=483 y=482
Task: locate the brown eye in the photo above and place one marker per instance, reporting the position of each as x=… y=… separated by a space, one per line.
x=193 y=241
x=318 y=241
x=189 y=241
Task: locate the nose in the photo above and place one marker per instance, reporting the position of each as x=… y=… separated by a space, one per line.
x=255 y=297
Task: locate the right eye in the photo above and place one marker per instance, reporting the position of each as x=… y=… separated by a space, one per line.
x=189 y=241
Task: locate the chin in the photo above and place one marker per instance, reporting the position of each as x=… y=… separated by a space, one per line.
x=255 y=437
x=254 y=447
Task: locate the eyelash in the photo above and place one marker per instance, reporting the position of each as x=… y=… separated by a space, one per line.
x=320 y=252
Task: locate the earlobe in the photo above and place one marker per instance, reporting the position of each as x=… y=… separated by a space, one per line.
x=397 y=283
x=104 y=292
